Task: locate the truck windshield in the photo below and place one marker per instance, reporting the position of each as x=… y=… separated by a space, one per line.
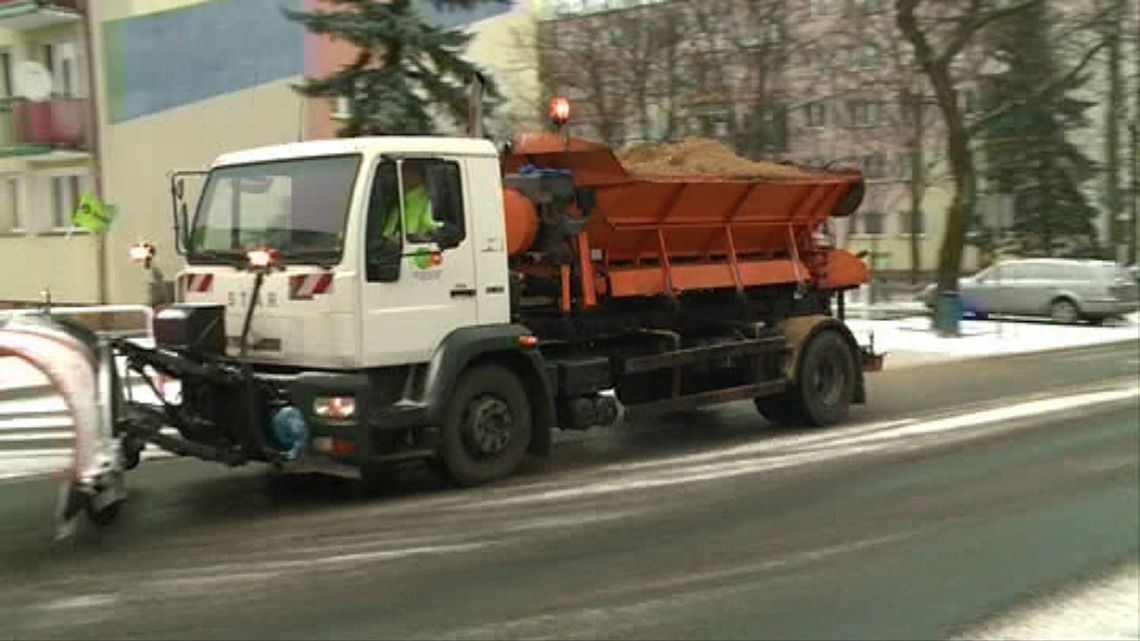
x=298 y=207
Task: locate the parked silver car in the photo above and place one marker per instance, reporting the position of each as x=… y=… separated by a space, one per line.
x=1063 y=289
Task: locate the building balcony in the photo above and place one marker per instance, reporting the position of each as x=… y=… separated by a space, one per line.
x=31 y=128
x=28 y=15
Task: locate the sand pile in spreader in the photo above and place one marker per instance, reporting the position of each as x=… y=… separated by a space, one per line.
x=701 y=156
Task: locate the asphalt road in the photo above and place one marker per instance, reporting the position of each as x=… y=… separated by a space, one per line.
x=960 y=492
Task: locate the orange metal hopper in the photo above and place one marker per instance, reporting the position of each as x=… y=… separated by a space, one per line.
x=666 y=234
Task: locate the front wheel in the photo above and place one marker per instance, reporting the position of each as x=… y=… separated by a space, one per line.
x=486 y=427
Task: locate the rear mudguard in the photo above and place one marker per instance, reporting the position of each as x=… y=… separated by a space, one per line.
x=800 y=330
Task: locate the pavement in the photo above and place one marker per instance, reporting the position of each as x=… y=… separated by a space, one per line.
x=961 y=502
x=910 y=340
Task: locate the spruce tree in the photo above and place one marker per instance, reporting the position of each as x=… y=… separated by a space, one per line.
x=1028 y=151
x=406 y=70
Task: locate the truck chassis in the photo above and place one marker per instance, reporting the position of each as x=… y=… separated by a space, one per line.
x=804 y=369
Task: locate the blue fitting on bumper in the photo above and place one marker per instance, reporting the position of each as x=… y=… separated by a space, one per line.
x=288 y=431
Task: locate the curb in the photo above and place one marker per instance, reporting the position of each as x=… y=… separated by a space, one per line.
x=936 y=357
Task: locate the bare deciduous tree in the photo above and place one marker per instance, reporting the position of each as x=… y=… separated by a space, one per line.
x=939 y=33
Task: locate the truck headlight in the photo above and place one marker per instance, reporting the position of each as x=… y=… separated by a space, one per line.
x=335 y=407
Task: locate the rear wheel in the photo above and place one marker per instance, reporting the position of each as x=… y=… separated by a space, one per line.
x=1064 y=311
x=781 y=409
x=826 y=383
x=824 y=387
x=487 y=426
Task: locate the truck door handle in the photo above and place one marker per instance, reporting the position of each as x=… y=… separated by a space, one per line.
x=465 y=293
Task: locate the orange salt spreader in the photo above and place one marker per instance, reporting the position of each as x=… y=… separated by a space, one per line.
x=575 y=213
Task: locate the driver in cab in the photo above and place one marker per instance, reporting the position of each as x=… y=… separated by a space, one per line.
x=418 y=219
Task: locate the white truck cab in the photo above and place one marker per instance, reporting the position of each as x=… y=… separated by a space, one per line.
x=350 y=293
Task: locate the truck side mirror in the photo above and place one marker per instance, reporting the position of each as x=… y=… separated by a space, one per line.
x=183 y=226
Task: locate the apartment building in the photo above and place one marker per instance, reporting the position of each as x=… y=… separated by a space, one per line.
x=47 y=149
x=105 y=98
x=139 y=88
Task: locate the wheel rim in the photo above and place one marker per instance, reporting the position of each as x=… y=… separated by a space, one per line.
x=487 y=427
x=827 y=381
x=1064 y=312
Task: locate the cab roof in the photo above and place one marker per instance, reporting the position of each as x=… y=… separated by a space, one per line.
x=428 y=145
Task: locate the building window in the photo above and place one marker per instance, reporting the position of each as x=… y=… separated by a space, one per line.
x=970 y=101
x=815 y=115
x=11 y=215
x=871 y=6
x=863 y=113
x=903 y=165
x=904 y=223
x=874 y=223
x=63 y=61
x=6 y=89
x=870 y=56
x=65 y=193
x=875 y=166
x=808 y=56
x=821 y=8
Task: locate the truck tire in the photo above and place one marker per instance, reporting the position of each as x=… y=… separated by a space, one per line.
x=825 y=384
x=486 y=427
x=1064 y=312
x=781 y=409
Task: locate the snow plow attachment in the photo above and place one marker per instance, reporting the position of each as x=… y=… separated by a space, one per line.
x=80 y=367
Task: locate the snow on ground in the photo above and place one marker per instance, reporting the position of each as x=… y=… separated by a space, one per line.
x=1107 y=608
x=912 y=340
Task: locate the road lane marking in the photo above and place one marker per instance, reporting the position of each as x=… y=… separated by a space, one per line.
x=766 y=445
x=262 y=569
x=997 y=415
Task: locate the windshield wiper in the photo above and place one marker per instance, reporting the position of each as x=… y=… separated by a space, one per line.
x=213 y=255
x=330 y=255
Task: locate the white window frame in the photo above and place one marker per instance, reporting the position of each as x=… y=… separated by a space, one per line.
x=49 y=178
x=21 y=216
x=79 y=70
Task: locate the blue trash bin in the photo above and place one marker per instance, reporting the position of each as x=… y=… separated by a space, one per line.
x=948 y=313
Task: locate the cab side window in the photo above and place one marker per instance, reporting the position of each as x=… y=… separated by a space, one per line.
x=433 y=201
x=415 y=201
x=384 y=245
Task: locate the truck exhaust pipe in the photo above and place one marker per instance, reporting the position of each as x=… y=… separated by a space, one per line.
x=475 y=128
